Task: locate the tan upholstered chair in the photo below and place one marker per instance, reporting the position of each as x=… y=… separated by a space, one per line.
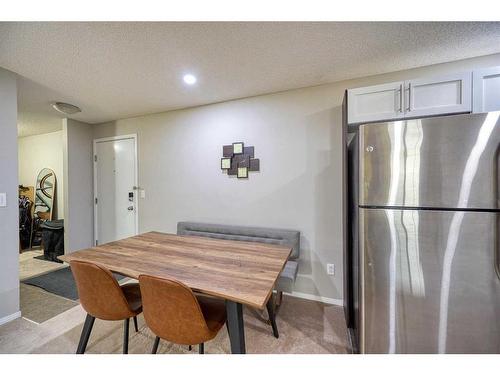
x=102 y=297
x=175 y=314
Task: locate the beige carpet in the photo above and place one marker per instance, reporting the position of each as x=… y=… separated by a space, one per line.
x=305 y=327
x=29 y=266
x=38 y=305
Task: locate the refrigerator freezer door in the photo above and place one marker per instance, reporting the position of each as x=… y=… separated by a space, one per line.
x=429 y=281
x=441 y=162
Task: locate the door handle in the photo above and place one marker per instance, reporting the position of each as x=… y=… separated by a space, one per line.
x=130 y=208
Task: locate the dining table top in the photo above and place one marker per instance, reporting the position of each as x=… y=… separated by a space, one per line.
x=243 y=272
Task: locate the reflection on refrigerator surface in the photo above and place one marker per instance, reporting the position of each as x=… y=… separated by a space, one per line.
x=428 y=219
x=473 y=296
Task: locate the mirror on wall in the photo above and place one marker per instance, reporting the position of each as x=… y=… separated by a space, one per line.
x=45 y=191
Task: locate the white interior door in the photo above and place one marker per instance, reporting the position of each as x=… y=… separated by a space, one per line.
x=115 y=176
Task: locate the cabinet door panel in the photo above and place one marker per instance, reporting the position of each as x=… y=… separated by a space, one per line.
x=487 y=90
x=375 y=103
x=438 y=95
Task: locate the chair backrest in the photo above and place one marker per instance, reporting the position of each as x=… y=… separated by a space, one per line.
x=172 y=311
x=99 y=292
x=285 y=237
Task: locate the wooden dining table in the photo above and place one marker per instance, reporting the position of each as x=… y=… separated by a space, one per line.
x=241 y=273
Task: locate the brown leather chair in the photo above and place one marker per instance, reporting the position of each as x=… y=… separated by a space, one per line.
x=102 y=297
x=175 y=314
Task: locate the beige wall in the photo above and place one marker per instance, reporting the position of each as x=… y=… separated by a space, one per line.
x=78 y=185
x=297 y=136
x=43 y=151
x=9 y=215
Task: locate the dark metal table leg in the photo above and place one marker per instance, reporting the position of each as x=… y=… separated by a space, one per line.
x=125 y=336
x=155 y=346
x=277 y=302
x=202 y=348
x=135 y=324
x=235 y=327
x=272 y=315
x=84 y=337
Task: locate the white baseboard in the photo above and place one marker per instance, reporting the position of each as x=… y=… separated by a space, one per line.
x=312 y=297
x=10 y=317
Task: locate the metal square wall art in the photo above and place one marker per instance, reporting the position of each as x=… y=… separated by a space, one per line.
x=242 y=172
x=238 y=159
x=238 y=148
x=225 y=163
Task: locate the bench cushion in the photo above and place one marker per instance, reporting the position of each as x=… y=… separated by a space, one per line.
x=242 y=233
x=288 y=276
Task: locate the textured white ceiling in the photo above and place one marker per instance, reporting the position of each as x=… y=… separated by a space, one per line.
x=118 y=70
x=35 y=114
x=30 y=123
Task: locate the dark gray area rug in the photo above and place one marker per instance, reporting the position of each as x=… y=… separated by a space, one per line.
x=60 y=282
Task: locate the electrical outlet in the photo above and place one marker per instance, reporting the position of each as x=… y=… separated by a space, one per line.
x=143 y=193
x=3 y=200
x=330 y=269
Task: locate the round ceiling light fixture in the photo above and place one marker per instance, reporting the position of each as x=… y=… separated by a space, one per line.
x=66 y=108
x=189 y=79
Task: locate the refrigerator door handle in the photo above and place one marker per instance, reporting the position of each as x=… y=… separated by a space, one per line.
x=497 y=235
x=401 y=93
x=409 y=97
x=497 y=248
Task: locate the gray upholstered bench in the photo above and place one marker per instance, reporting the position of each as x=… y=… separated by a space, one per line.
x=254 y=234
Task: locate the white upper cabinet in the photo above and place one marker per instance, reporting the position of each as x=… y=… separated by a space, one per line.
x=439 y=95
x=375 y=103
x=413 y=98
x=486 y=90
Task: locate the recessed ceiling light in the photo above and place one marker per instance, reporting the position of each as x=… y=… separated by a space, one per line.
x=66 y=108
x=189 y=79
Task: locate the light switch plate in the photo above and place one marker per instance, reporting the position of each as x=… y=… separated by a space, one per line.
x=3 y=199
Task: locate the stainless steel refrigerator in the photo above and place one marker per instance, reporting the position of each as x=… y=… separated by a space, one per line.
x=424 y=235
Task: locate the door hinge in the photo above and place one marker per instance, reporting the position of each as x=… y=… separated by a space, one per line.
x=95 y=200
x=95 y=157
